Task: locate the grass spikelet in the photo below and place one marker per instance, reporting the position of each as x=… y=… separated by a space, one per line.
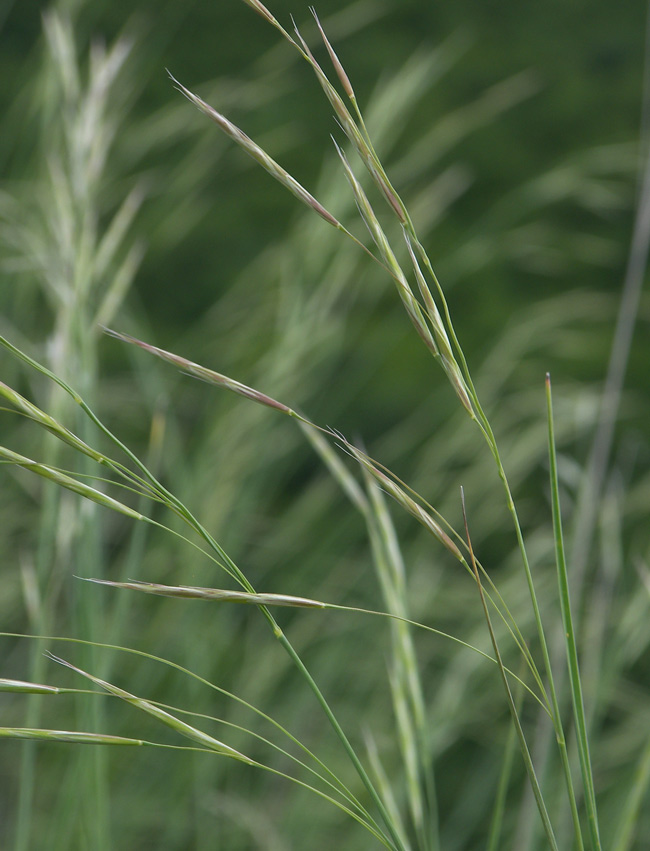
x=308 y=320
x=261 y=9
x=191 y=592
x=443 y=346
x=340 y=70
x=357 y=134
x=69 y=483
x=387 y=255
x=161 y=715
x=204 y=374
x=38 y=416
x=67 y=736
x=407 y=502
x=259 y=155
x=346 y=122
x=22 y=687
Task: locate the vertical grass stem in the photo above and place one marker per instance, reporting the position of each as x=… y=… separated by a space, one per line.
x=569 y=631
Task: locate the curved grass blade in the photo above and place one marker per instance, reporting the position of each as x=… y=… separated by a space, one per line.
x=335 y=780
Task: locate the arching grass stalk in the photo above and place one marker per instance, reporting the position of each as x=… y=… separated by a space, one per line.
x=434 y=330
x=455 y=365
x=452 y=357
x=486 y=429
x=185 y=514
x=21 y=686
x=437 y=337
x=408 y=499
x=220 y=595
x=167 y=715
x=154 y=490
x=412 y=502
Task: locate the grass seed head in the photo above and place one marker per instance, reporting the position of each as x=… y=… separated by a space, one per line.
x=219 y=595
x=68 y=483
x=258 y=154
x=407 y=502
x=69 y=736
x=261 y=9
x=205 y=374
x=340 y=70
x=161 y=715
x=53 y=426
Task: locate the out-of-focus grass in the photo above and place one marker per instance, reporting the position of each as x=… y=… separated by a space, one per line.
x=313 y=323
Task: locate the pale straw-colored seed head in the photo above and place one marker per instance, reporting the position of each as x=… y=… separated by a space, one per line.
x=261 y=9
x=205 y=374
x=259 y=155
x=340 y=71
x=449 y=362
x=343 y=116
x=407 y=502
x=387 y=255
x=23 y=687
x=458 y=383
x=432 y=310
x=347 y=123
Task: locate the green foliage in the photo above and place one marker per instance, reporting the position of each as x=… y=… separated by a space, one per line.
x=126 y=207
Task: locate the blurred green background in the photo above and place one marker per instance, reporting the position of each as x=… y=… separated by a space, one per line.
x=514 y=132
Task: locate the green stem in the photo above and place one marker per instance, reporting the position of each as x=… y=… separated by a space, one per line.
x=570 y=639
x=488 y=434
x=494 y=837
x=365 y=779
x=555 y=706
x=523 y=745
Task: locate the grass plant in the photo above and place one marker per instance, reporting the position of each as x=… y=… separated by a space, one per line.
x=469 y=639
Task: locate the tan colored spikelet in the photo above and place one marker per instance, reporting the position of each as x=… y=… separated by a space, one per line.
x=259 y=155
x=443 y=346
x=407 y=502
x=432 y=310
x=209 y=375
x=340 y=70
x=390 y=261
x=348 y=124
x=261 y=9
